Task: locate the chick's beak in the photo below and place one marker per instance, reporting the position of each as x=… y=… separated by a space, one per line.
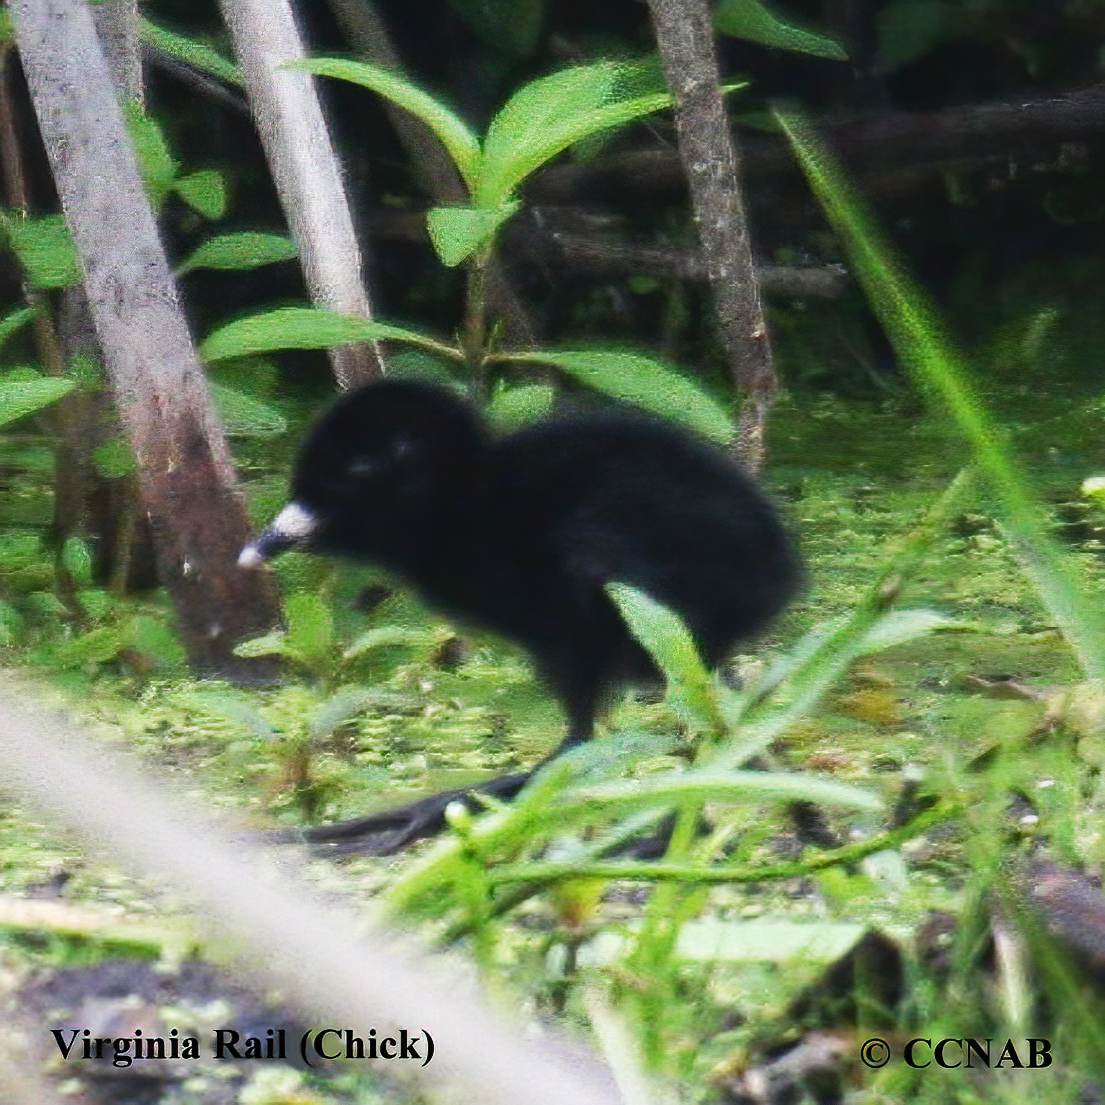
x=294 y=525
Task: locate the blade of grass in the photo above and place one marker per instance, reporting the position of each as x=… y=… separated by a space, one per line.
x=541 y=873
x=763 y=720
x=914 y=329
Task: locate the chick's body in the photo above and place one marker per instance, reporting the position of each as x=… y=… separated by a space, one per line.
x=518 y=534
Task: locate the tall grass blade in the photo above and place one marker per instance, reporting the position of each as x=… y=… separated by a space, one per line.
x=919 y=339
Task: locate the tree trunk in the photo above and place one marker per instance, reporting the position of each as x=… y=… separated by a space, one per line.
x=185 y=470
x=305 y=168
x=685 y=35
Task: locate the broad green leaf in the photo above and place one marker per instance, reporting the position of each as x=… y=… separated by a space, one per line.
x=644 y=382
x=672 y=647
x=77 y=559
x=204 y=191
x=458 y=232
x=512 y=407
x=24 y=397
x=240 y=252
x=306 y=328
x=197 y=54
x=455 y=135
x=244 y=416
x=387 y=635
x=749 y=19
x=155 y=163
x=14 y=322
x=672 y=788
x=45 y=251
x=546 y=116
x=310 y=625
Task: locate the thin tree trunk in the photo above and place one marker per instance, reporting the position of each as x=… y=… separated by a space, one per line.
x=185 y=470
x=305 y=168
x=685 y=35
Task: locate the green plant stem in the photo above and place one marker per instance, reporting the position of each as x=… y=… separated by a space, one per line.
x=474 y=340
x=918 y=336
x=542 y=874
x=767 y=720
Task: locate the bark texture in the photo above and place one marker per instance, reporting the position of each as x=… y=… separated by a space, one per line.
x=185 y=470
x=308 y=178
x=685 y=35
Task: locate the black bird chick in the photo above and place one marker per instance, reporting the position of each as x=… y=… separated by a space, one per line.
x=518 y=534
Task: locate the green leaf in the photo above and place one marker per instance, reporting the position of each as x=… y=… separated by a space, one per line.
x=512 y=407
x=458 y=232
x=455 y=135
x=77 y=559
x=750 y=20
x=310 y=625
x=45 y=250
x=197 y=54
x=345 y=704
x=901 y=626
x=24 y=397
x=204 y=191
x=306 y=328
x=14 y=322
x=919 y=339
x=240 y=252
x=546 y=116
x=270 y=644
x=97 y=646
x=671 y=645
x=230 y=706
x=644 y=382
x=673 y=788
x=244 y=416
x=155 y=163
x=388 y=635
x=824 y=653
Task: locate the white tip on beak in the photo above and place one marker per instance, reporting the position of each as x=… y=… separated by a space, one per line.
x=291 y=526
x=250 y=557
